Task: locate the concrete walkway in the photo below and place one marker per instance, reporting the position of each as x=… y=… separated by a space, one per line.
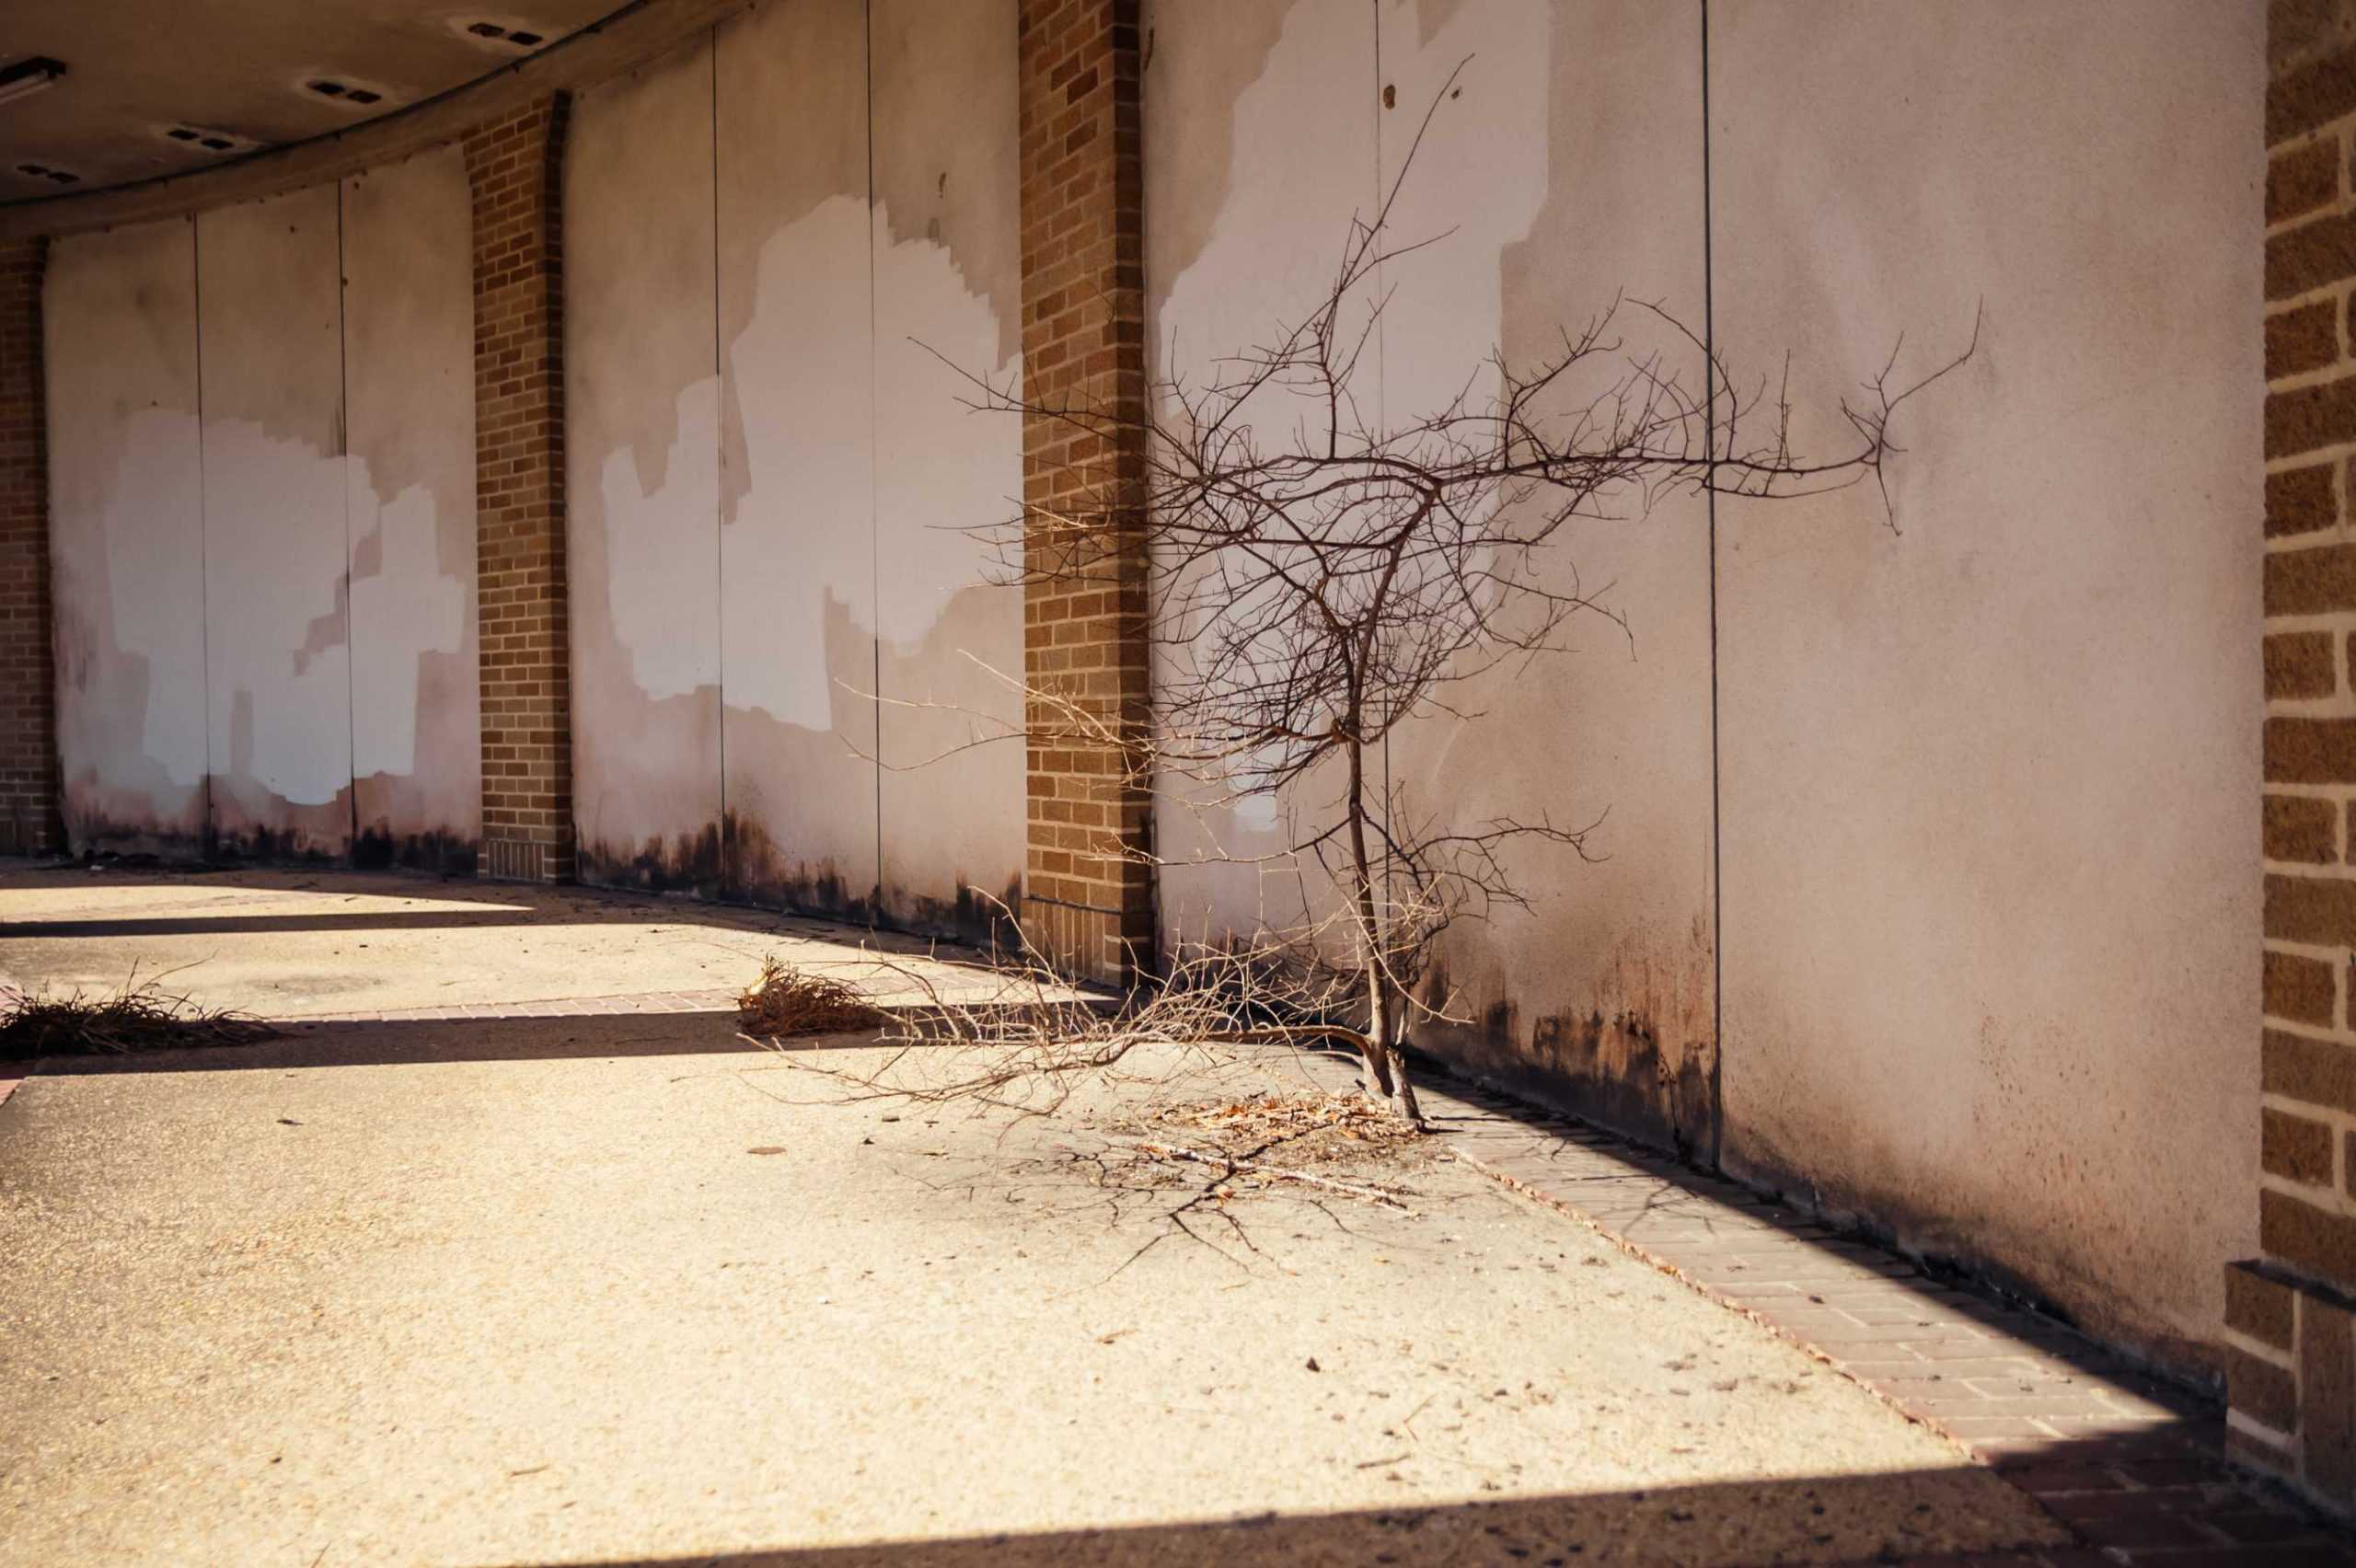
x=493 y=1270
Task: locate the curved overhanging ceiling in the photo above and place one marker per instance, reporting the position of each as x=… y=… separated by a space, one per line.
x=153 y=89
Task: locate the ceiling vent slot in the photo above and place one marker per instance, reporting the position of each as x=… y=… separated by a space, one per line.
x=336 y=90
x=55 y=175
x=505 y=35
x=205 y=139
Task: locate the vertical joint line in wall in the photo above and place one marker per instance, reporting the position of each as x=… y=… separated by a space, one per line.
x=1382 y=389
x=1710 y=434
x=874 y=519
x=344 y=450
x=204 y=560
x=720 y=467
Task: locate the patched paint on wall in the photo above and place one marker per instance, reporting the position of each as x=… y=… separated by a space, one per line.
x=1984 y=781
x=726 y=684
x=1579 y=128
x=1563 y=168
x=947 y=268
x=211 y=566
x=642 y=456
x=269 y=329
x=127 y=537
x=409 y=377
x=1992 y=928
x=1237 y=243
x=797 y=534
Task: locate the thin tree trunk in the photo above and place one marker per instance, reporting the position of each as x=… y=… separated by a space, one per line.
x=1385 y=1065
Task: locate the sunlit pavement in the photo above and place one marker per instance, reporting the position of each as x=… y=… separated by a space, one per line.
x=512 y=1253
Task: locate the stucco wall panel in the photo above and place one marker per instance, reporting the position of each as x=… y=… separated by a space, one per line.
x=945 y=259
x=797 y=535
x=127 y=532
x=409 y=375
x=277 y=659
x=1563 y=169
x=1991 y=928
x=642 y=456
x=1239 y=243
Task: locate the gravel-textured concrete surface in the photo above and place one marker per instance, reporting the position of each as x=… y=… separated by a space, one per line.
x=594 y=1290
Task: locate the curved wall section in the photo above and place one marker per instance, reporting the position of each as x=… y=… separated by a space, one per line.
x=789 y=244
x=262 y=439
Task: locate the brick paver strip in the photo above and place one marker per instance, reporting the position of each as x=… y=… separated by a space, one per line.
x=559 y=1007
x=2134 y=1466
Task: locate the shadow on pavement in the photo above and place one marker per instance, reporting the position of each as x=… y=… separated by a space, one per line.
x=1954 y=1517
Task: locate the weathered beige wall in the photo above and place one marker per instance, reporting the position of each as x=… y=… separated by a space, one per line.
x=947 y=261
x=783 y=639
x=1565 y=168
x=797 y=457
x=1988 y=916
x=127 y=537
x=1567 y=164
x=1237 y=241
x=277 y=642
x=409 y=387
x=219 y=548
x=1991 y=922
x=643 y=488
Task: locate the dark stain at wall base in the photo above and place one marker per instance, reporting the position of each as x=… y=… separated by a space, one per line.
x=970 y=918
x=1608 y=1068
x=276 y=846
x=756 y=872
x=689 y=862
x=378 y=848
x=191 y=841
x=735 y=862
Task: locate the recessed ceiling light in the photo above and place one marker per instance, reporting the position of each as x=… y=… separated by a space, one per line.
x=29 y=76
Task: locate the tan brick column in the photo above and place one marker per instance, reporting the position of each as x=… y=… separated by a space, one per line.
x=2291 y=1364
x=1088 y=901
x=28 y=791
x=515 y=165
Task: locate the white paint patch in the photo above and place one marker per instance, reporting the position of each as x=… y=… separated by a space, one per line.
x=277 y=638
x=1271 y=252
x=943 y=470
x=802 y=535
x=409 y=609
x=152 y=533
x=659 y=566
x=1476 y=183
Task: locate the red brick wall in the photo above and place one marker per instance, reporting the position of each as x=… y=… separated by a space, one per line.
x=2291 y=1367
x=29 y=820
x=515 y=165
x=1087 y=899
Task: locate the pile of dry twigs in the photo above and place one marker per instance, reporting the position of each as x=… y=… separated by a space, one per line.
x=140 y=1016
x=785 y=1000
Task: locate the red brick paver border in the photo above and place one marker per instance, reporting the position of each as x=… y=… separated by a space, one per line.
x=2134 y=1466
x=555 y=1007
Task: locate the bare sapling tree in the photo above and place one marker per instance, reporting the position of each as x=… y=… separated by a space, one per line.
x=1318 y=577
